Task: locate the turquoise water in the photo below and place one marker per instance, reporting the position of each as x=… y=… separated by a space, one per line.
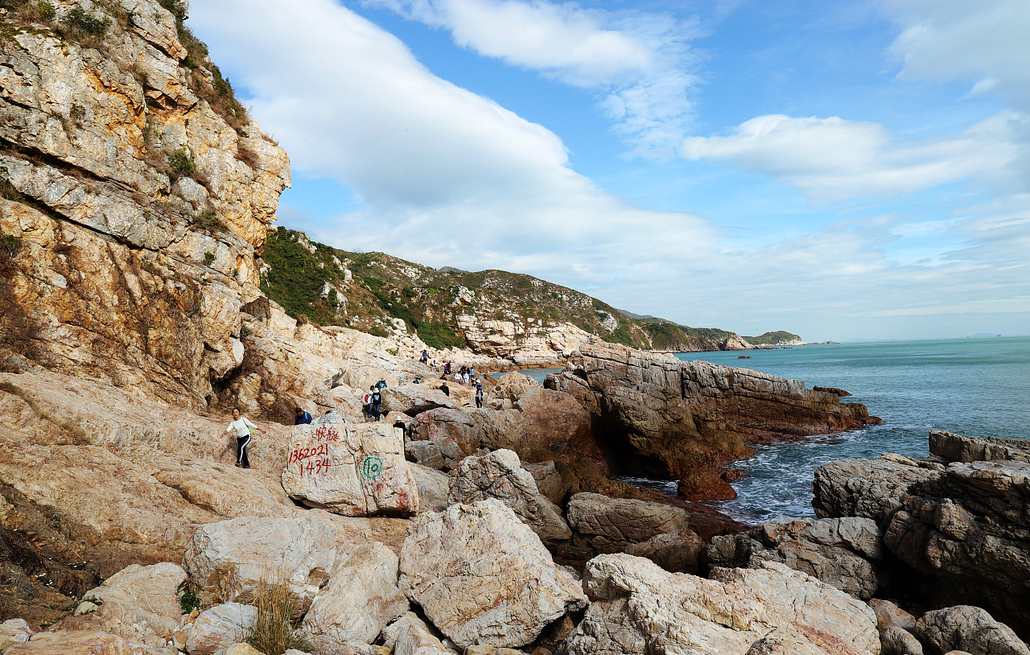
x=975 y=387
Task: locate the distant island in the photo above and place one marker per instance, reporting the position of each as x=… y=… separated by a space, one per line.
x=982 y=335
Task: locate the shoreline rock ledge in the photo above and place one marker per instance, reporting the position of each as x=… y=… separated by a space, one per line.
x=670 y=418
x=957 y=521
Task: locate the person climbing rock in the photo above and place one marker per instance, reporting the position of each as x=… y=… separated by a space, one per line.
x=375 y=402
x=243 y=429
x=479 y=396
x=445 y=389
x=301 y=417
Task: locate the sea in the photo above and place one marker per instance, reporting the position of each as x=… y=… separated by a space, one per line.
x=977 y=387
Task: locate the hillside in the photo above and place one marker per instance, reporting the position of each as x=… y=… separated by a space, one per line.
x=492 y=312
x=777 y=338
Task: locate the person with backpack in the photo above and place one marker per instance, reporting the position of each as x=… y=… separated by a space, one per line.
x=243 y=429
x=301 y=417
x=479 y=396
x=375 y=402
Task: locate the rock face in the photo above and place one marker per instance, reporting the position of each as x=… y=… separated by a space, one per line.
x=671 y=417
x=657 y=531
x=220 y=627
x=71 y=642
x=360 y=600
x=351 y=469
x=483 y=577
x=228 y=560
x=408 y=635
x=841 y=552
x=500 y=475
x=969 y=629
x=961 y=527
x=637 y=607
x=126 y=174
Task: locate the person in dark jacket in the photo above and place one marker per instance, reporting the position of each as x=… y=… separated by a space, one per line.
x=301 y=417
x=445 y=389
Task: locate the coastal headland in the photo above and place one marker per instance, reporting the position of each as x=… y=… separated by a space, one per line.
x=137 y=269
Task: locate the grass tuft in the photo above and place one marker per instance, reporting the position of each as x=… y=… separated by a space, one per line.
x=273 y=633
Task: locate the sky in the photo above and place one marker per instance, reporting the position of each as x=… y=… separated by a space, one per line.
x=842 y=170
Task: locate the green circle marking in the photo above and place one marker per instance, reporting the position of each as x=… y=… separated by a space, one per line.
x=372 y=467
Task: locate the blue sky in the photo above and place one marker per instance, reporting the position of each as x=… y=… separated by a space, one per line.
x=844 y=170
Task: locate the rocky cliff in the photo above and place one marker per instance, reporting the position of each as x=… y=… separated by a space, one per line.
x=136 y=196
x=672 y=418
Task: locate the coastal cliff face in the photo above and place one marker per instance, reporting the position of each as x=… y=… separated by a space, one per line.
x=134 y=196
x=674 y=417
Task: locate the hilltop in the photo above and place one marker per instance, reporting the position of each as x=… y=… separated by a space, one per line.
x=492 y=312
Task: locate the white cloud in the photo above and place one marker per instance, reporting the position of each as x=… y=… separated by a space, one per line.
x=832 y=159
x=641 y=63
x=443 y=175
x=983 y=42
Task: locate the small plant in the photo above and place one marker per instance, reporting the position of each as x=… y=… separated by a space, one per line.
x=189 y=601
x=273 y=631
x=247 y=156
x=77 y=112
x=209 y=258
x=46 y=10
x=182 y=164
x=85 y=27
x=208 y=221
x=10 y=247
x=7 y=189
x=244 y=331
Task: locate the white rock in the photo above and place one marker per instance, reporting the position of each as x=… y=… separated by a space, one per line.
x=360 y=600
x=354 y=470
x=140 y=594
x=14 y=631
x=636 y=602
x=410 y=636
x=483 y=577
x=220 y=627
x=500 y=475
x=228 y=559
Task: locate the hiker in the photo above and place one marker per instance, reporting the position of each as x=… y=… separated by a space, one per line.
x=381 y=384
x=445 y=389
x=375 y=402
x=243 y=429
x=301 y=417
x=424 y=359
x=479 y=396
x=399 y=424
x=366 y=403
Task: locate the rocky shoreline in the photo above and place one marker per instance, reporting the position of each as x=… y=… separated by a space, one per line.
x=135 y=204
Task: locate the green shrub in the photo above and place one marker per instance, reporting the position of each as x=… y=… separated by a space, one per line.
x=181 y=164
x=208 y=221
x=189 y=601
x=46 y=10
x=84 y=27
x=209 y=258
x=10 y=247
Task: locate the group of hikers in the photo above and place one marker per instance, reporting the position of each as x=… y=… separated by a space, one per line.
x=372 y=403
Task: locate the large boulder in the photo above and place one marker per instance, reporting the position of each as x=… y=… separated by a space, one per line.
x=657 y=531
x=72 y=642
x=409 y=635
x=433 y=488
x=228 y=560
x=413 y=399
x=220 y=627
x=970 y=629
x=960 y=527
x=636 y=607
x=360 y=600
x=842 y=552
x=483 y=577
x=500 y=475
x=143 y=595
x=350 y=469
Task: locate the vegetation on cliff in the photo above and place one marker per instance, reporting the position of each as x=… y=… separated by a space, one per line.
x=375 y=292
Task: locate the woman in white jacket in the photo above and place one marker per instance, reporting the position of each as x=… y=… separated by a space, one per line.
x=243 y=429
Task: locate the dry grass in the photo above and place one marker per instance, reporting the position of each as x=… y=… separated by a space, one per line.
x=273 y=632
